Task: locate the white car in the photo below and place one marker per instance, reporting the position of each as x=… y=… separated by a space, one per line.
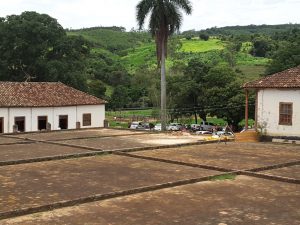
x=202 y=132
x=157 y=127
x=223 y=133
x=134 y=125
x=174 y=126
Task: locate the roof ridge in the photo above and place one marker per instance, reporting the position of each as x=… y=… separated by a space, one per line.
x=289 y=78
x=44 y=94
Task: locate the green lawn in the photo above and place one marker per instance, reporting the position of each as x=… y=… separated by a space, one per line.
x=197 y=45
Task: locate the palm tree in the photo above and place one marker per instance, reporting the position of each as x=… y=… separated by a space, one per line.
x=165 y=19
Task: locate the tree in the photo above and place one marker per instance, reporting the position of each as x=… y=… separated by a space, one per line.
x=225 y=95
x=35 y=47
x=97 y=88
x=288 y=53
x=165 y=19
x=120 y=98
x=187 y=91
x=261 y=46
x=204 y=36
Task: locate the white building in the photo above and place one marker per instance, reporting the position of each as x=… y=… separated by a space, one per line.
x=34 y=106
x=278 y=103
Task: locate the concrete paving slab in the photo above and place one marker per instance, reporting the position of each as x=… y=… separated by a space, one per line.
x=237 y=156
x=34 y=150
x=245 y=200
x=290 y=172
x=8 y=140
x=62 y=135
x=125 y=142
x=36 y=184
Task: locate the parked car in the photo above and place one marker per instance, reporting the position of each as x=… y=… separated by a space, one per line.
x=195 y=127
x=206 y=126
x=157 y=127
x=143 y=126
x=174 y=126
x=135 y=124
x=202 y=132
x=223 y=133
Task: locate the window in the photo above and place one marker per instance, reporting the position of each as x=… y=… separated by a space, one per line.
x=86 y=120
x=285 y=113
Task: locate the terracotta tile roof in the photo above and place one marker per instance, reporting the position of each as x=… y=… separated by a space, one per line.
x=43 y=94
x=286 y=79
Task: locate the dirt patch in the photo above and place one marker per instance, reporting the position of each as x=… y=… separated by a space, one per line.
x=124 y=142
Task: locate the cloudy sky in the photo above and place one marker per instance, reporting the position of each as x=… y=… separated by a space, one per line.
x=206 y=13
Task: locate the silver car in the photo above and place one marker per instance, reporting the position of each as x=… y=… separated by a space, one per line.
x=175 y=126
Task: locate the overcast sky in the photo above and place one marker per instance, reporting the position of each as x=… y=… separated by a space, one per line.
x=206 y=13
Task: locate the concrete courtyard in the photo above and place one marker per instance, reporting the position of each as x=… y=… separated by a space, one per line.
x=107 y=176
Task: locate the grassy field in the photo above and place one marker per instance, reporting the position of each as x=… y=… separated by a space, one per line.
x=142 y=55
x=247 y=59
x=112 y=39
x=129 y=113
x=251 y=72
x=196 y=45
x=145 y=54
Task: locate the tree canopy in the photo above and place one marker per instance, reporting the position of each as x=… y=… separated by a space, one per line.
x=35 y=47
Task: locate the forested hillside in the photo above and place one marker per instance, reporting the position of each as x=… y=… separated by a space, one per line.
x=246 y=30
x=205 y=69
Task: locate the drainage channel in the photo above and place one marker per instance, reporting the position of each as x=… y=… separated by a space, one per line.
x=100 y=197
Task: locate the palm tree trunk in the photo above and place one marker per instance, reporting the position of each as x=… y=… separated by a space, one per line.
x=163 y=88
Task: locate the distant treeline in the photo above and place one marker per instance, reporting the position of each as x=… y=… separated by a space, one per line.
x=244 y=30
x=113 y=28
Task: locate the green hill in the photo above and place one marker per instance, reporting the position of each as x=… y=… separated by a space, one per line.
x=112 y=39
x=136 y=49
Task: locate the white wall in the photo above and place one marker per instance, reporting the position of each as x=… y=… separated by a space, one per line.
x=4 y=114
x=268 y=111
x=74 y=115
x=98 y=115
x=18 y=112
x=70 y=111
